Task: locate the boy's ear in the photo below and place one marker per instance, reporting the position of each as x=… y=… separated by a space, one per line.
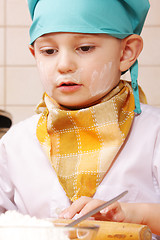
x=131 y=48
x=31 y=48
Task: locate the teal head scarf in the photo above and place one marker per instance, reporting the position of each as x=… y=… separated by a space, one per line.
x=118 y=18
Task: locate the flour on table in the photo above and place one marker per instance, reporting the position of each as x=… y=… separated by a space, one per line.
x=15 y=226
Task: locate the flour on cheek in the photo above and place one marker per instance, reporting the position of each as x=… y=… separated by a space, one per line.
x=102 y=81
x=46 y=76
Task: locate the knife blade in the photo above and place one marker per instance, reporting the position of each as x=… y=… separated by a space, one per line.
x=95 y=210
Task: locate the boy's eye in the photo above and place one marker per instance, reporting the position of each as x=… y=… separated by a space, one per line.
x=48 y=51
x=86 y=48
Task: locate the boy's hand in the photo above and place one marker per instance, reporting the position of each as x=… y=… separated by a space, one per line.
x=140 y=213
x=83 y=205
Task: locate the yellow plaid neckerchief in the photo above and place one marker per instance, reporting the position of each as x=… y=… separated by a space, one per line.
x=82 y=144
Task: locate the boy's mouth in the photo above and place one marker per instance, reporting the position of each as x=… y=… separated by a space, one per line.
x=69 y=86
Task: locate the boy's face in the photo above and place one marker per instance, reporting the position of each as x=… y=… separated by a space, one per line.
x=78 y=69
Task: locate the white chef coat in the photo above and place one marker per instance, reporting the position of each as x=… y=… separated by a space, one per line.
x=28 y=182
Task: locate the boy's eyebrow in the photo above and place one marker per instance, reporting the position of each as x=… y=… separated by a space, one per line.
x=42 y=38
x=76 y=36
x=86 y=35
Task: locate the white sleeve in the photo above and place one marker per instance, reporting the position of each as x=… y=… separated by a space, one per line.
x=6 y=187
x=156 y=163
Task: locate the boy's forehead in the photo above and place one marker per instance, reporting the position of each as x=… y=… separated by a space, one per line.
x=118 y=18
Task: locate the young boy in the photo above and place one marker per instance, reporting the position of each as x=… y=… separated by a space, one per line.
x=93 y=139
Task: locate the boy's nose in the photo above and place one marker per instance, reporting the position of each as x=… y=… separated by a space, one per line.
x=66 y=63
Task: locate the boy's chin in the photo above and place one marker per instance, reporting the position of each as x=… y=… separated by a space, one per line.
x=81 y=102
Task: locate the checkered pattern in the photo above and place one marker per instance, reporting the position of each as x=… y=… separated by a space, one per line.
x=82 y=144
